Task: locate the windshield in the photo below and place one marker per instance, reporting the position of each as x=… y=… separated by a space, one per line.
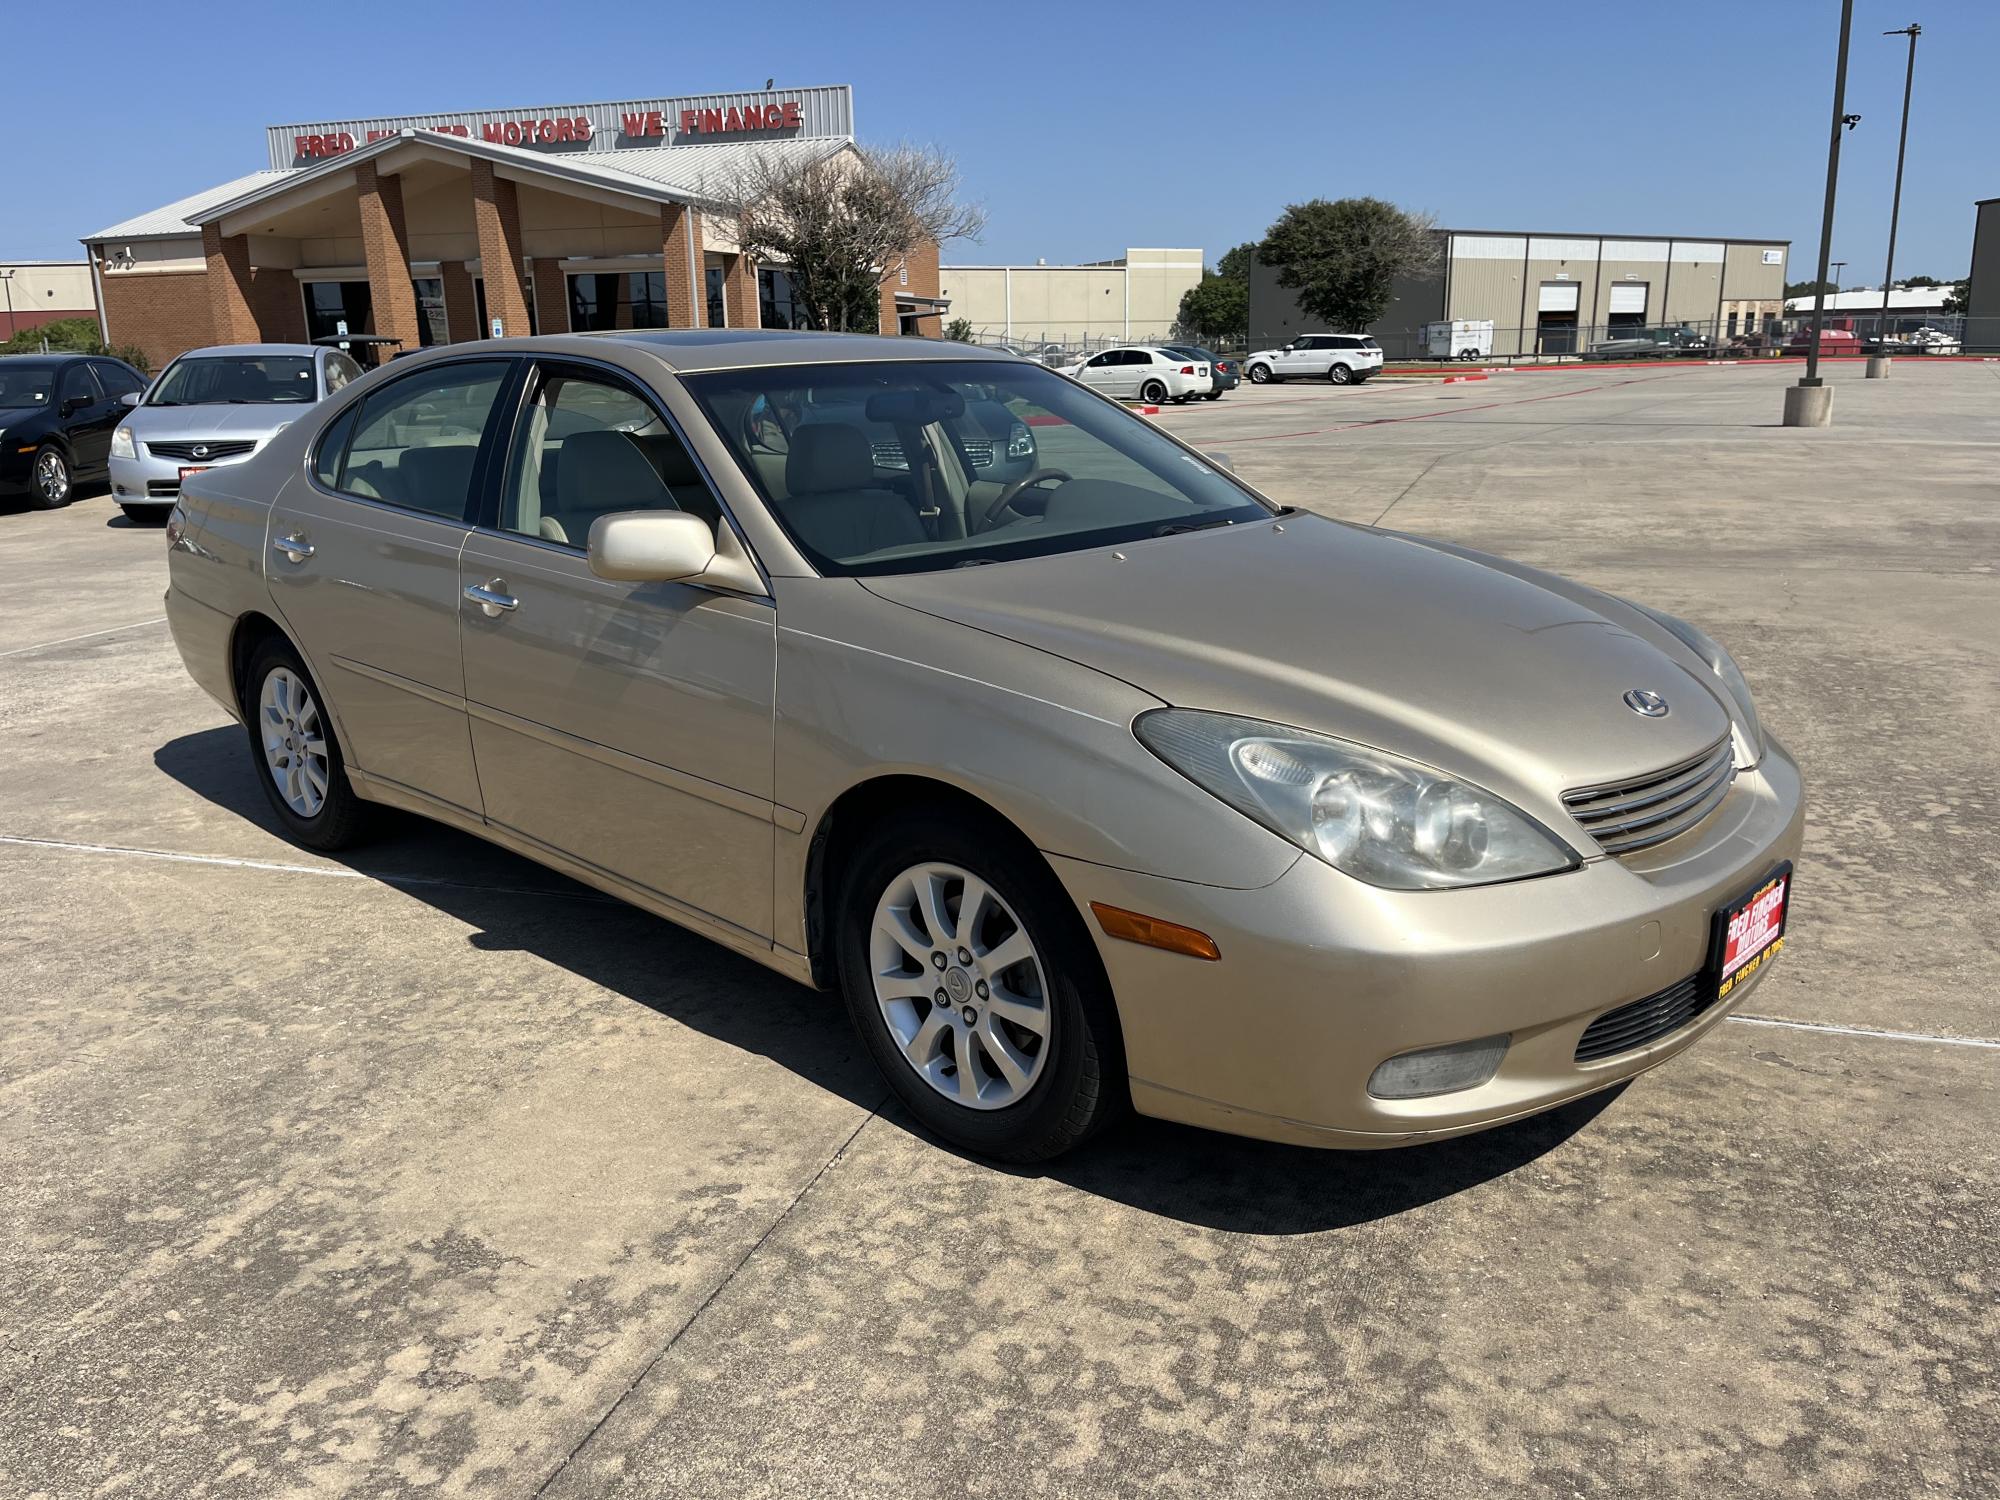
x=23 y=388
x=1011 y=460
x=237 y=380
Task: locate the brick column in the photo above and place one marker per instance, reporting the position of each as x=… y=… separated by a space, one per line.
x=739 y=293
x=385 y=245
x=497 y=212
x=551 y=296
x=680 y=249
x=229 y=305
x=461 y=306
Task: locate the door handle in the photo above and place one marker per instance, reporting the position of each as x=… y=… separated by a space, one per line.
x=488 y=596
x=295 y=547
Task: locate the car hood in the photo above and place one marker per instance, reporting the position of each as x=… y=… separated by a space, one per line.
x=1509 y=677
x=168 y=422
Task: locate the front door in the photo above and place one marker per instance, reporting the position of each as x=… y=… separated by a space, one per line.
x=88 y=415
x=627 y=725
x=363 y=565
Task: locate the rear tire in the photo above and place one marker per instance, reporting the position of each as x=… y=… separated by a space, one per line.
x=1152 y=393
x=1340 y=375
x=51 y=486
x=1211 y=396
x=296 y=753
x=1021 y=1060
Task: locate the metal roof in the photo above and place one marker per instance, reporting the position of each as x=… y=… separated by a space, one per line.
x=669 y=173
x=171 y=221
x=1900 y=299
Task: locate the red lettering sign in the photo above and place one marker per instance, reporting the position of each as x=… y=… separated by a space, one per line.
x=785 y=116
x=791 y=114
x=687 y=122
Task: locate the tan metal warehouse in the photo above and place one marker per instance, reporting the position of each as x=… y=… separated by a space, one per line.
x=1558 y=293
x=1136 y=296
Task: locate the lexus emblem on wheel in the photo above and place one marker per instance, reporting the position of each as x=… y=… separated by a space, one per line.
x=201 y=450
x=1646 y=701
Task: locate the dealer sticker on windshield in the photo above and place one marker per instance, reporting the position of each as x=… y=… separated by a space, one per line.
x=1753 y=930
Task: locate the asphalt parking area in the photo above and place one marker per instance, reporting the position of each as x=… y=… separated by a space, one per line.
x=428 y=1171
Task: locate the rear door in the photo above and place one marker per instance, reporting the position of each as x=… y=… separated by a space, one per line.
x=362 y=558
x=88 y=416
x=627 y=725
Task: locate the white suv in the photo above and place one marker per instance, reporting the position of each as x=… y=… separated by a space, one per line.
x=1141 y=372
x=1343 y=358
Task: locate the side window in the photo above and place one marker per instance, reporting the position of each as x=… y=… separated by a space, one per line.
x=416 y=441
x=332 y=449
x=1101 y=361
x=78 y=384
x=1134 y=357
x=117 y=380
x=339 y=371
x=589 y=445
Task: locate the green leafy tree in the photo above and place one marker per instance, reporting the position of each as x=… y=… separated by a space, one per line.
x=959 y=330
x=1235 y=264
x=1808 y=288
x=66 y=335
x=1343 y=258
x=1215 y=311
x=1956 y=300
x=1914 y=281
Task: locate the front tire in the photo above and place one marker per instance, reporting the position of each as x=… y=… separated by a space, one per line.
x=1260 y=375
x=296 y=753
x=1152 y=393
x=1211 y=396
x=51 y=485
x=974 y=986
x=1340 y=375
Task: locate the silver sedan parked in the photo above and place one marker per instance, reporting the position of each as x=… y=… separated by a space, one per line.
x=214 y=406
x=1101 y=784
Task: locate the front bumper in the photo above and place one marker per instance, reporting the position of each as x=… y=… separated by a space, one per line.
x=1322 y=978
x=17 y=466
x=147 y=480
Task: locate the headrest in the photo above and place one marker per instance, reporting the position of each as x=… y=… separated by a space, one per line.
x=828 y=456
x=604 y=471
x=670 y=460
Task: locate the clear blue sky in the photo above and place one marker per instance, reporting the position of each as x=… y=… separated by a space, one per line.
x=1085 y=128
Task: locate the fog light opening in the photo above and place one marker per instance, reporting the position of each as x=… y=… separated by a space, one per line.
x=1439 y=1070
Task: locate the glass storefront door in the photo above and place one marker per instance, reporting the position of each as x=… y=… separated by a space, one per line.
x=330 y=303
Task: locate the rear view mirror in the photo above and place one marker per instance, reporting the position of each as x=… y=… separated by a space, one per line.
x=1288 y=348
x=650 y=546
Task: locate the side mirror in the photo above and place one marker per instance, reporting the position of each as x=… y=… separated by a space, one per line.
x=1288 y=348
x=650 y=546
x=131 y=398
x=71 y=405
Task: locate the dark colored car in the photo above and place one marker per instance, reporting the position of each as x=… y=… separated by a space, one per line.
x=57 y=412
x=1223 y=373
x=1651 y=343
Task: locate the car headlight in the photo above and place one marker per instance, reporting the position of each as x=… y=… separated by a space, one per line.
x=1020 y=441
x=1723 y=665
x=121 y=443
x=1378 y=818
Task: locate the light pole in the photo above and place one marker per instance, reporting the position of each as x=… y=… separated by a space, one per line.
x=7 y=280
x=1879 y=365
x=1810 y=403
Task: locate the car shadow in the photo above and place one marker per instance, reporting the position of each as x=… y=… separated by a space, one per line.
x=510 y=904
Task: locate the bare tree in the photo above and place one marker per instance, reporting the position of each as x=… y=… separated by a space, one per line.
x=841 y=222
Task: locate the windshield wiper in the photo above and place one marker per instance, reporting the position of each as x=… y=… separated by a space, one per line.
x=1176 y=528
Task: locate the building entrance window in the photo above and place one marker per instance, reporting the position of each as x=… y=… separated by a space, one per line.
x=712 y=283
x=777 y=302
x=479 y=301
x=331 y=303
x=431 y=326
x=599 y=300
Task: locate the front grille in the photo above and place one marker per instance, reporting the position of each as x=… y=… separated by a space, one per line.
x=889 y=455
x=1627 y=816
x=1646 y=1020
x=185 y=453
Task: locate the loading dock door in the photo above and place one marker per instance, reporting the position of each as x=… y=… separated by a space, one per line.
x=1555 y=323
x=1628 y=304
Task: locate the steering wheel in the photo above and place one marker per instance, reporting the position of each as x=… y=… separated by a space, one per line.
x=1006 y=497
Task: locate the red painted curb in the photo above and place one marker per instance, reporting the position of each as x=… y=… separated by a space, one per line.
x=1457 y=379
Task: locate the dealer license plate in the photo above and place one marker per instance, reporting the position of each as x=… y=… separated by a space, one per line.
x=1752 y=930
x=187 y=469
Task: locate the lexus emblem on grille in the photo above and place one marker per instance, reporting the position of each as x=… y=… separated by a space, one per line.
x=201 y=451
x=1647 y=702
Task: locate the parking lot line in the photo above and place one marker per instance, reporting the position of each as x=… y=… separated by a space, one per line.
x=1869 y=1031
x=87 y=635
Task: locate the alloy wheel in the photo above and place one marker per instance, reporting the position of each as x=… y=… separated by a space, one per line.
x=960 y=986
x=295 y=749
x=52 y=476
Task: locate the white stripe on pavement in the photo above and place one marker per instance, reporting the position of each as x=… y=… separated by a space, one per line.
x=86 y=636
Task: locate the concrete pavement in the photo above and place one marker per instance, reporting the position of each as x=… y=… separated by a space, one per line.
x=426 y=1171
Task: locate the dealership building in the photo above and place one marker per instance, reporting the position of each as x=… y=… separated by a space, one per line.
x=1558 y=293
x=444 y=227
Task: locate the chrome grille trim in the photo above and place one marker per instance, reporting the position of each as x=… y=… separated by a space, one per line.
x=1643 y=1022
x=1627 y=816
x=889 y=455
x=219 y=448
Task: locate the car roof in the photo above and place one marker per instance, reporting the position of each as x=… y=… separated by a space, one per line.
x=692 y=349
x=248 y=351
x=53 y=357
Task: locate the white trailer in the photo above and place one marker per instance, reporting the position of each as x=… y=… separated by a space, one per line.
x=1464 y=339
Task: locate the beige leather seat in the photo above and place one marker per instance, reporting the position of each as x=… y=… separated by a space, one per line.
x=599 y=473
x=834 y=504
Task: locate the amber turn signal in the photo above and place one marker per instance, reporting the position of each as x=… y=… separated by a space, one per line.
x=1134 y=927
